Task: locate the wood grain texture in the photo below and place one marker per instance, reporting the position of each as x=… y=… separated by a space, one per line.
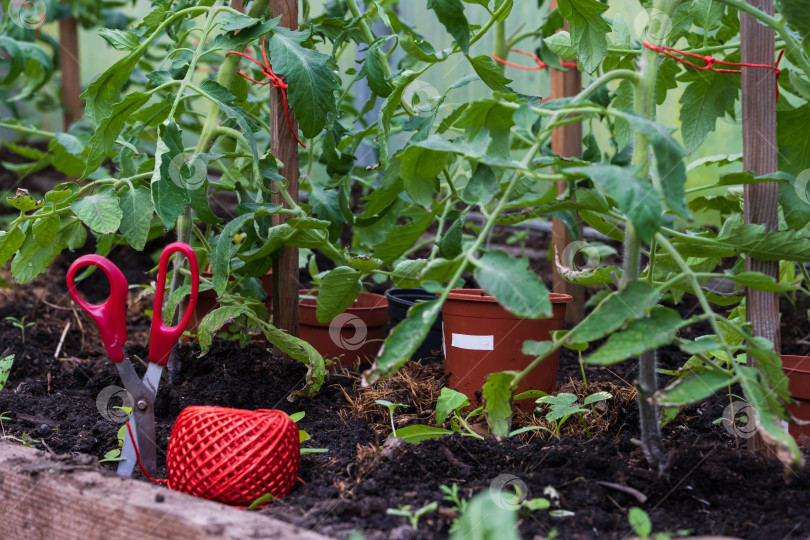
x=73 y=108
x=566 y=141
x=760 y=156
x=68 y=497
x=285 y=148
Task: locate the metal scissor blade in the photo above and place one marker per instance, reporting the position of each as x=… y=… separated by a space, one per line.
x=152 y=377
x=128 y=459
x=142 y=419
x=147 y=446
x=131 y=383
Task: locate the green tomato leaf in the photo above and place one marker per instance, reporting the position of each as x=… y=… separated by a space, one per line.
x=513 y=284
x=793 y=140
x=632 y=302
x=45 y=229
x=704 y=100
x=638 y=199
x=451 y=15
x=497 y=394
x=312 y=84
x=100 y=211
x=338 y=290
x=696 y=386
x=23 y=202
x=121 y=40
x=10 y=242
x=488 y=117
x=110 y=127
x=137 y=209
x=420 y=168
x=588 y=30
x=657 y=330
x=374 y=70
x=490 y=73
x=223 y=249
x=560 y=44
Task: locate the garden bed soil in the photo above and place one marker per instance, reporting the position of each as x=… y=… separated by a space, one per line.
x=712 y=486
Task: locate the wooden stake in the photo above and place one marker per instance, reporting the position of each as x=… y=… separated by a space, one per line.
x=566 y=141
x=238 y=5
x=285 y=148
x=71 y=71
x=760 y=156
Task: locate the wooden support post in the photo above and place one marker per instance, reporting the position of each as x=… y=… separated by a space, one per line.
x=760 y=156
x=71 y=71
x=566 y=141
x=285 y=148
x=238 y=5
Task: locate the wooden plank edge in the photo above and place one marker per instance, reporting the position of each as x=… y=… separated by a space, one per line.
x=43 y=496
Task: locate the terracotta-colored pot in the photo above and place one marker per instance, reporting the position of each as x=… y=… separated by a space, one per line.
x=797 y=368
x=207 y=302
x=480 y=337
x=357 y=333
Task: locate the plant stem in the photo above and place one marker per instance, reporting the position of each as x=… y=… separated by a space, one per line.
x=207 y=137
x=367 y=33
x=652 y=443
x=501 y=46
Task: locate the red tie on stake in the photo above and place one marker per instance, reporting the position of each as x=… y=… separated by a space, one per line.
x=540 y=64
x=710 y=61
x=275 y=80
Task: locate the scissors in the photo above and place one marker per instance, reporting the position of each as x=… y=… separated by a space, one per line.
x=110 y=318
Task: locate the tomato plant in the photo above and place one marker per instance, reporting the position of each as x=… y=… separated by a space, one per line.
x=163 y=143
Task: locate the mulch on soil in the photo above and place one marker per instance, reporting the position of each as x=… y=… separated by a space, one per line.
x=712 y=487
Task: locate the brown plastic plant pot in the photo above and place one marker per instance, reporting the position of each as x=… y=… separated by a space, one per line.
x=797 y=369
x=355 y=334
x=207 y=302
x=480 y=337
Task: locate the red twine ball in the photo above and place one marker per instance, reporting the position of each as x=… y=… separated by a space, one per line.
x=233 y=456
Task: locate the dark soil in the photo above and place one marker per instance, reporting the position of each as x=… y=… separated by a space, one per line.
x=712 y=487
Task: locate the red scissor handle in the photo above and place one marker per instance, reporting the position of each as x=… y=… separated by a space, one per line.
x=164 y=338
x=111 y=315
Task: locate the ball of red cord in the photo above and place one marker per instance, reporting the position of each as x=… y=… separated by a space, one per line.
x=233 y=456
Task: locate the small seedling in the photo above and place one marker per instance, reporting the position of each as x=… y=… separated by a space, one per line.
x=460 y=505
x=115 y=453
x=303 y=436
x=21 y=324
x=642 y=526
x=4 y=417
x=564 y=406
x=261 y=501
x=413 y=517
x=451 y=495
x=5 y=369
x=391 y=407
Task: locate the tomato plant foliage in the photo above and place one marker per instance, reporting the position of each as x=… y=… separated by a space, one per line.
x=170 y=125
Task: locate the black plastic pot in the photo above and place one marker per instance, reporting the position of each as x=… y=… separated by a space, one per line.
x=399 y=302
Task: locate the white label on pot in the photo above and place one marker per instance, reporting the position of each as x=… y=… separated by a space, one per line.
x=473 y=343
